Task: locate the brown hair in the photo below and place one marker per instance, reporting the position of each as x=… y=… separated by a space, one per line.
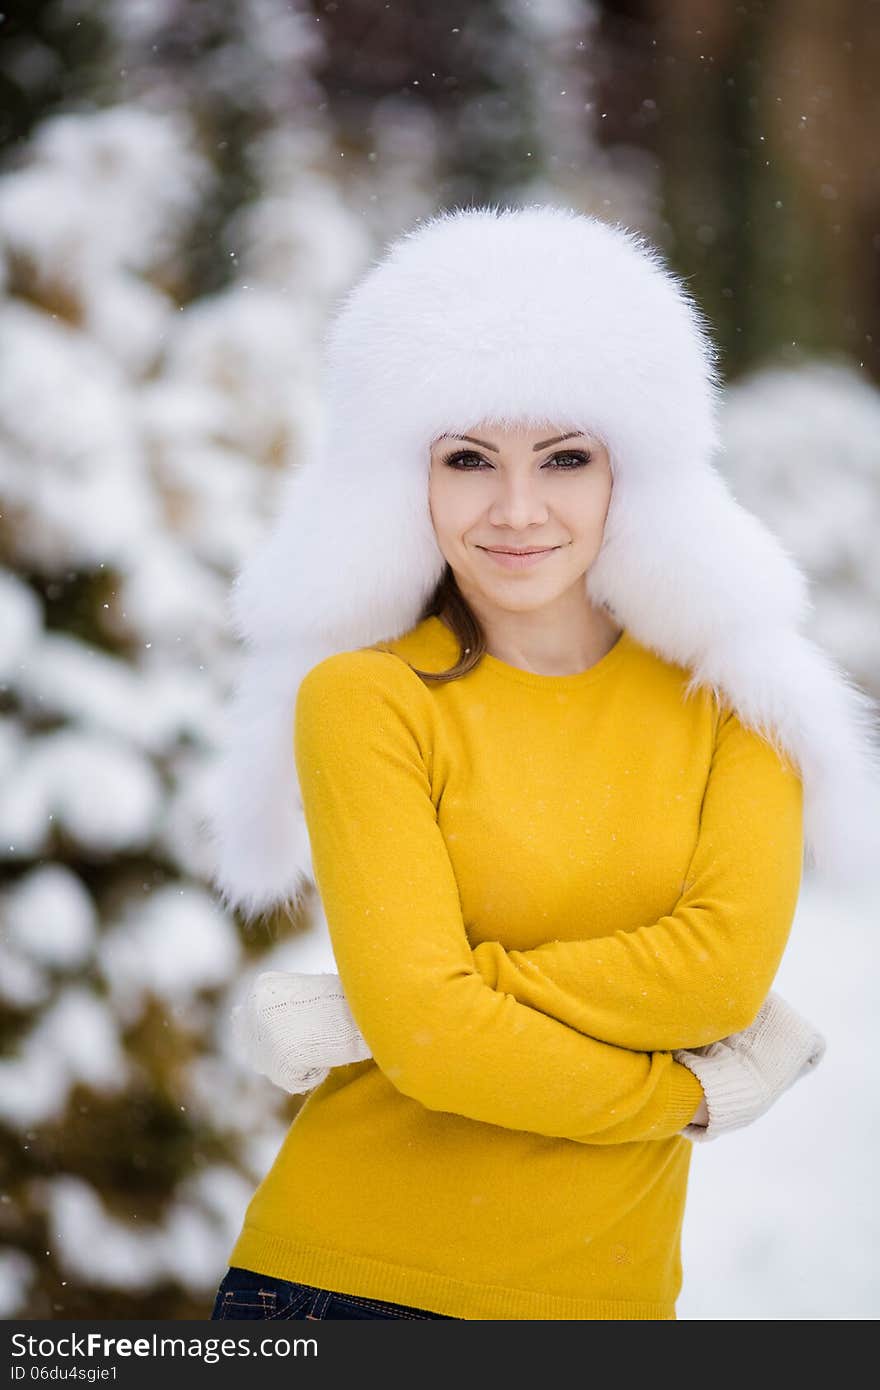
x=449 y=603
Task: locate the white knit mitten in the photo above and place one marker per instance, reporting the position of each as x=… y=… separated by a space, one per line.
x=746 y=1073
x=295 y=1027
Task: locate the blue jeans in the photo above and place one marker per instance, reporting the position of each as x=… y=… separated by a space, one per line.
x=245 y=1294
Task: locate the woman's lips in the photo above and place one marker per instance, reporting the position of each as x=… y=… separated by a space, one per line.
x=520 y=561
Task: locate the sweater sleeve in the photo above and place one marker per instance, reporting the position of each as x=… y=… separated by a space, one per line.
x=703 y=971
x=438 y=1032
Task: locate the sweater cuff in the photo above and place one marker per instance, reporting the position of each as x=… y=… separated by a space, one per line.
x=684 y=1095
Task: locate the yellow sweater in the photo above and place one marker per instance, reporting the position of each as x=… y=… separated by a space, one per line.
x=536 y=887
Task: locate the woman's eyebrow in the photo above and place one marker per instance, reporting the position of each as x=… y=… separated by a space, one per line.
x=575 y=434
x=535 y=447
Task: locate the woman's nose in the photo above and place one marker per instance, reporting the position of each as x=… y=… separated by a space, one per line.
x=518 y=503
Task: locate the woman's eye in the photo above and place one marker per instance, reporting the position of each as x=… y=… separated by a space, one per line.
x=457 y=460
x=576 y=458
x=579 y=458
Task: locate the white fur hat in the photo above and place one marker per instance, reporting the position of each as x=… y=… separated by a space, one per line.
x=526 y=315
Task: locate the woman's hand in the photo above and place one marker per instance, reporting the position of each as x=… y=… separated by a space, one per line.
x=295 y=1027
x=745 y=1074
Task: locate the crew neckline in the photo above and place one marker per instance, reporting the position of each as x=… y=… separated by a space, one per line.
x=575 y=680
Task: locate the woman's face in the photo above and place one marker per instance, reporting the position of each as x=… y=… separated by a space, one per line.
x=519 y=489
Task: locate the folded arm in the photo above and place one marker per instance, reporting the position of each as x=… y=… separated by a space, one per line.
x=435 y=1028
x=703 y=971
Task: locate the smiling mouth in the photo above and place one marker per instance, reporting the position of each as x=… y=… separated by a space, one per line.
x=505 y=550
x=513 y=560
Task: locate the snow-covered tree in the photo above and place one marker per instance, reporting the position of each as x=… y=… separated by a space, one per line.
x=140 y=442
x=802 y=449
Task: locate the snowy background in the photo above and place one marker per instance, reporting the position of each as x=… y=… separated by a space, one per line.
x=185 y=191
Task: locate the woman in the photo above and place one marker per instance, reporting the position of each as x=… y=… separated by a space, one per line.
x=555 y=807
